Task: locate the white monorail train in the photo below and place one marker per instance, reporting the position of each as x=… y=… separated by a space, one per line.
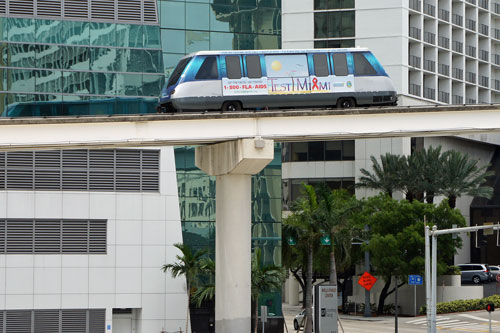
x=236 y=80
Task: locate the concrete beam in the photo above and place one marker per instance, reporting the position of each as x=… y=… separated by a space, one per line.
x=233 y=163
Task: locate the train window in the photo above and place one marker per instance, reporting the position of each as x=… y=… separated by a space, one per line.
x=176 y=74
x=233 y=67
x=320 y=64
x=208 y=69
x=253 y=67
x=362 y=66
x=340 y=64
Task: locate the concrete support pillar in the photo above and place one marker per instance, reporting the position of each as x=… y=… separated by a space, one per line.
x=233 y=163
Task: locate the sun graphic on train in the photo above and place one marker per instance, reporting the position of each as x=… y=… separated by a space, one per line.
x=276 y=65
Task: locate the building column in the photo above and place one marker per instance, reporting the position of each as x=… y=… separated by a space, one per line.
x=233 y=163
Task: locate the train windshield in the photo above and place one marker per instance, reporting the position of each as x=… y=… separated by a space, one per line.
x=176 y=74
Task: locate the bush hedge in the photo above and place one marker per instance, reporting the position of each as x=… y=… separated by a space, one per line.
x=463 y=305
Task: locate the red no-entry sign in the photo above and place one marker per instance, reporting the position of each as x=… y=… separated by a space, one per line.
x=367 y=280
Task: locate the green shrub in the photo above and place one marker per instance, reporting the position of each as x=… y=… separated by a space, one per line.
x=463 y=305
x=452 y=270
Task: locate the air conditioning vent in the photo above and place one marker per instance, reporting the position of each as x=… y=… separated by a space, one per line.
x=74 y=321
x=102 y=10
x=21 y=7
x=46 y=321
x=18 y=321
x=150 y=13
x=128 y=10
x=48 y=8
x=3 y=7
x=76 y=9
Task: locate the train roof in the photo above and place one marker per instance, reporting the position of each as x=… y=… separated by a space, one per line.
x=279 y=51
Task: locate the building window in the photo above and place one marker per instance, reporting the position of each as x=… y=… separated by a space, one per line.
x=54 y=321
x=336 y=24
x=127 y=170
x=319 y=151
x=333 y=4
x=47 y=236
x=334 y=43
x=292 y=188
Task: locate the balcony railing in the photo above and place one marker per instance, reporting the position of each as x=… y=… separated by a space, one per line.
x=484 y=55
x=444 y=42
x=483 y=4
x=415 y=32
x=414 y=89
x=444 y=97
x=414 y=61
x=470 y=24
x=444 y=15
x=470 y=77
x=484 y=81
x=429 y=93
x=429 y=65
x=429 y=9
x=416 y=5
x=444 y=69
x=429 y=37
x=496 y=84
x=457 y=99
x=484 y=29
x=470 y=51
x=457 y=46
x=457 y=19
x=457 y=73
x=471 y=101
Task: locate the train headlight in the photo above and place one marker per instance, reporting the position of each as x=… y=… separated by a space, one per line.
x=173 y=91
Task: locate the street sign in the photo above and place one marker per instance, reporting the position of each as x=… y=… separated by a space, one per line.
x=416 y=280
x=326 y=240
x=498 y=278
x=367 y=280
x=488 y=231
x=291 y=241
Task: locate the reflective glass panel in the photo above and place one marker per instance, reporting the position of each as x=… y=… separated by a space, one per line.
x=333 y=4
x=17 y=105
x=75 y=105
x=48 y=105
x=21 y=80
x=333 y=150
x=76 y=32
x=129 y=84
x=332 y=44
x=103 y=83
x=152 y=84
x=197 y=41
x=133 y=60
x=20 y=55
x=197 y=16
x=5 y=29
x=21 y=30
x=172 y=14
x=49 y=81
x=102 y=105
x=129 y=35
x=170 y=61
x=49 y=56
x=173 y=40
x=151 y=36
x=268 y=42
x=266 y=210
x=49 y=31
x=102 y=34
x=152 y=61
x=221 y=41
x=334 y=24
x=76 y=82
x=220 y=18
x=103 y=59
x=76 y=57
x=3 y=80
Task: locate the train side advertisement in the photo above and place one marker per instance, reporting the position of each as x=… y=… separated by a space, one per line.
x=287 y=74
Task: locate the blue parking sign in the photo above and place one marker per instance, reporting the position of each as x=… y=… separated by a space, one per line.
x=415 y=280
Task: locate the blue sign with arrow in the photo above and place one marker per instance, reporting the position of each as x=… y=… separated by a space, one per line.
x=416 y=280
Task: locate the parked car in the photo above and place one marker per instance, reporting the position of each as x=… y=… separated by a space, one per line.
x=494 y=271
x=298 y=320
x=475 y=273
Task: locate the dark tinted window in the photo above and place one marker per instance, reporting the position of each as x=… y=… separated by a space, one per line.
x=320 y=64
x=208 y=70
x=176 y=74
x=334 y=24
x=334 y=44
x=362 y=66
x=253 y=67
x=333 y=4
x=340 y=64
x=233 y=67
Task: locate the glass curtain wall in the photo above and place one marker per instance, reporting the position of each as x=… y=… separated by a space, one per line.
x=54 y=67
x=334 y=23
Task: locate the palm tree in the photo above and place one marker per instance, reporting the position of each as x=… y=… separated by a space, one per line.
x=264 y=279
x=207 y=291
x=189 y=265
x=305 y=227
x=461 y=175
x=429 y=163
x=386 y=176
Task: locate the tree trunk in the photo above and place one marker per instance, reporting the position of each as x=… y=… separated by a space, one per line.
x=383 y=296
x=256 y=310
x=333 y=266
x=430 y=197
x=189 y=301
x=452 y=201
x=309 y=322
x=409 y=196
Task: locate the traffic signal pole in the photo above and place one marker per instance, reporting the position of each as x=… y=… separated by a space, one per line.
x=431 y=274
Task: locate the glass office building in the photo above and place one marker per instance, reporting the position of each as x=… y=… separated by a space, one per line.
x=66 y=67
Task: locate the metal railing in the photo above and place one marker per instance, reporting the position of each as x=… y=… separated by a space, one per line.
x=470 y=24
x=415 y=32
x=429 y=65
x=414 y=61
x=444 y=69
x=484 y=29
x=457 y=46
x=414 y=89
x=429 y=37
x=429 y=9
x=430 y=93
x=416 y=5
x=484 y=81
x=457 y=73
x=484 y=55
x=444 y=42
x=470 y=51
x=457 y=99
x=457 y=19
x=444 y=97
x=444 y=15
x=470 y=77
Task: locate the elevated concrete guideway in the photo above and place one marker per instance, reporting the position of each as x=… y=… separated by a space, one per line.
x=213 y=127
